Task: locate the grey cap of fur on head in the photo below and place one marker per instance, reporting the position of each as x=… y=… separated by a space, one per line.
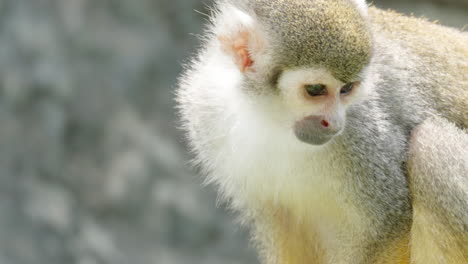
x=328 y=33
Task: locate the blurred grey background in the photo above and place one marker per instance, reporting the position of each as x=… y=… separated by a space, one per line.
x=93 y=169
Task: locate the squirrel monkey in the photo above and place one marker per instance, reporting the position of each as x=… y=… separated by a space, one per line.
x=301 y=112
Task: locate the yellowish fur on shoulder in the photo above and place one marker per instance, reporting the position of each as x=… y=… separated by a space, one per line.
x=432 y=242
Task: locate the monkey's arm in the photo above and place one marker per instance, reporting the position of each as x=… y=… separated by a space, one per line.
x=438 y=177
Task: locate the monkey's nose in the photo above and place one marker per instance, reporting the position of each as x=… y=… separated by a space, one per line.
x=321 y=124
x=325 y=123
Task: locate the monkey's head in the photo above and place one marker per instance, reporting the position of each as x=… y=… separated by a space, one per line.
x=310 y=54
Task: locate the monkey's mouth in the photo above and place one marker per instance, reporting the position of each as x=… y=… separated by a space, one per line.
x=312 y=138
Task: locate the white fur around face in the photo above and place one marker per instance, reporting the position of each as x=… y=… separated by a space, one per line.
x=256 y=160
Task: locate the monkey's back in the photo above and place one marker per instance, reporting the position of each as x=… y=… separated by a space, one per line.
x=437 y=54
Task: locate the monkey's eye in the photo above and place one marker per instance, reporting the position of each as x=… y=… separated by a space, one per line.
x=347 y=88
x=315 y=89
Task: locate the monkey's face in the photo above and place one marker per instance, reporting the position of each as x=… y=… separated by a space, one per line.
x=318 y=102
x=281 y=44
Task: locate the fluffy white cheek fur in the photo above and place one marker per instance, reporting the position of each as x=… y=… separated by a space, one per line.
x=258 y=156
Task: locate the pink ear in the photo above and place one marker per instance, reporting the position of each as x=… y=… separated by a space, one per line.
x=237 y=46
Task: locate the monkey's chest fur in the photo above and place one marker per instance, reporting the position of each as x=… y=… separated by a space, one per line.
x=301 y=188
x=312 y=202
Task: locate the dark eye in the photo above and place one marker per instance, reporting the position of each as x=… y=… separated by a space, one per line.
x=316 y=89
x=347 y=88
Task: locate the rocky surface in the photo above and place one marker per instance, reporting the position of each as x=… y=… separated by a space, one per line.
x=92 y=167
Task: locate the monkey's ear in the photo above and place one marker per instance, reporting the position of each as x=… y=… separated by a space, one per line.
x=240 y=38
x=237 y=46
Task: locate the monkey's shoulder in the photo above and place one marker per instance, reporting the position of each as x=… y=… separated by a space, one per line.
x=419 y=34
x=427 y=58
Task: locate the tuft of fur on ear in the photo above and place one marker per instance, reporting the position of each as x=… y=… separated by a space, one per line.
x=239 y=36
x=362 y=6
